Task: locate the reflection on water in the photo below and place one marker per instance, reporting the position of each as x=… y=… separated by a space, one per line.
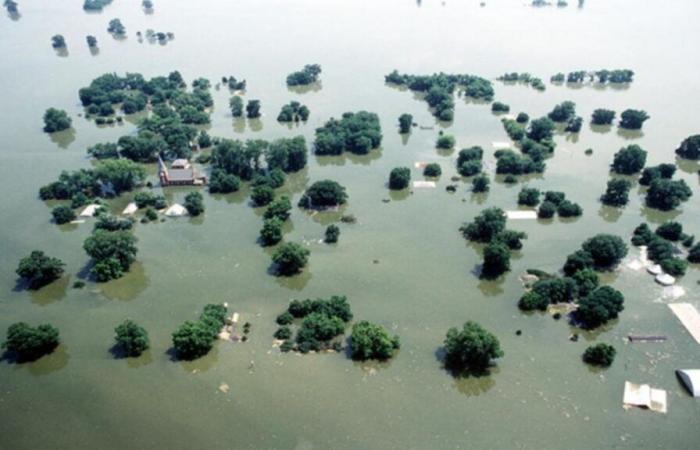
x=600 y=128
x=202 y=364
x=127 y=287
x=610 y=214
x=143 y=360
x=47 y=364
x=238 y=124
x=51 y=293
x=63 y=138
x=255 y=124
x=657 y=216
x=94 y=51
x=629 y=134
x=339 y=160
x=62 y=52
x=399 y=195
x=688 y=165
x=491 y=288
x=327 y=217
x=473 y=386
x=313 y=87
x=296 y=282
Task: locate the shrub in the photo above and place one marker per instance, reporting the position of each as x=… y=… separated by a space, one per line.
x=480 y=183
x=603 y=117
x=599 y=355
x=600 y=306
x=323 y=194
x=432 y=170
x=271 y=232
x=673 y=231
x=569 y=209
x=290 y=258
x=496 y=260
x=633 y=119
x=39 y=270
x=522 y=117
x=445 y=142
x=63 y=214
x=370 y=341
x=605 y=249
x=690 y=148
x=194 y=203
x=56 y=120
x=472 y=347
x=332 y=234
x=546 y=210
x=529 y=197
x=30 y=343
x=617 y=193
x=262 y=195
x=132 y=338
x=629 y=160
x=399 y=178
x=666 y=194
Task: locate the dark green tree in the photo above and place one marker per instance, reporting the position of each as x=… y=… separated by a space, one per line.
x=599 y=355
x=332 y=234
x=39 y=270
x=271 y=232
x=290 y=258
x=606 y=250
x=529 y=196
x=405 y=123
x=131 y=337
x=262 y=195
x=279 y=208
x=446 y=141
x=252 y=109
x=496 y=260
x=56 y=120
x=236 y=105
x=112 y=252
x=600 y=306
x=432 y=170
x=63 y=214
x=603 y=116
x=633 y=119
x=690 y=148
x=29 y=343
x=480 y=183
x=58 y=41
x=652 y=173
x=667 y=194
x=323 y=194
x=370 y=341
x=472 y=348
x=399 y=178
x=194 y=203
x=629 y=160
x=485 y=226
x=563 y=112
x=546 y=210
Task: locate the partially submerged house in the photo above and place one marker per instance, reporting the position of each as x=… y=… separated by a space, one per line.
x=181 y=173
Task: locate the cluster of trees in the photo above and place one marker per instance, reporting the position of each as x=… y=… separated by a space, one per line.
x=56 y=120
x=355 y=132
x=112 y=253
x=432 y=170
x=690 y=148
x=95 y=5
x=666 y=194
x=107 y=178
x=439 y=89
x=116 y=28
x=194 y=339
x=660 y=246
x=445 y=141
x=471 y=349
x=550 y=290
x=293 y=112
x=39 y=269
x=399 y=178
x=525 y=78
x=661 y=171
x=629 y=160
x=601 y=252
x=290 y=258
x=131 y=338
x=509 y=162
x=555 y=202
x=332 y=234
x=617 y=192
x=320 y=322
x=601 y=355
x=308 y=75
x=498 y=107
x=371 y=341
x=529 y=196
x=603 y=116
x=601 y=76
x=194 y=203
x=145 y=199
x=489 y=227
x=29 y=343
x=565 y=113
x=633 y=119
x=11 y=6
x=469 y=161
x=514 y=129
x=234 y=84
x=323 y=194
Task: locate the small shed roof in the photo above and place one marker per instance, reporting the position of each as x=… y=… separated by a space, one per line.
x=180 y=163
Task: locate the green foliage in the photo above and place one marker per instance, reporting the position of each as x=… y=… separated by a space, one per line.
x=485 y=226
x=29 y=343
x=642 y=235
x=370 y=341
x=598 y=307
x=522 y=118
x=511 y=239
x=694 y=254
x=569 y=209
x=262 y=195
x=271 y=232
x=674 y=266
x=599 y=355
x=531 y=301
x=498 y=107
x=279 y=208
x=285 y=318
x=659 y=249
x=432 y=170
x=578 y=261
x=332 y=234
x=236 y=106
x=529 y=196
x=95 y=5
x=673 y=231
x=399 y=178
x=112 y=252
x=629 y=160
x=308 y=75
x=58 y=41
x=144 y=199
x=541 y=129
x=290 y=258
x=283 y=332
x=405 y=123
x=316 y=328
x=469 y=168
x=287 y=154
x=574 y=124
x=617 y=193
x=667 y=194
x=471 y=348
x=546 y=210
x=355 y=132
x=602 y=116
x=496 y=260
x=446 y=141
x=194 y=203
x=469 y=161
x=335 y=306
x=509 y=162
x=151 y=214
x=194 y=339
x=293 y=112
x=109 y=222
x=633 y=119
x=480 y=183
x=63 y=214
x=104 y=151
x=323 y=194
x=652 y=173
x=116 y=27
x=586 y=281
x=252 y=109
x=132 y=338
x=56 y=120
x=690 y=148
x=237 y=158
x=223 y=182
x=39 y=270
x=514 y=130
x=563 y=112
x=606 y=250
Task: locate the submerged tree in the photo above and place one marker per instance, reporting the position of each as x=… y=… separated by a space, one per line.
x=629 y=160
x=603 y=116
x=56 y=120
x=690 y=148
x=617 y=193
x=667 y=194
x=633 y=119
x=58 y=41
x=39 y=269
x=370 y=341
x=399 y=178
x=194 y=203
x=599 y=355
x=30 y=343
x=405 y=123
x=471 y=348
x=132 y=338
x=290 y=258
x=332 y=234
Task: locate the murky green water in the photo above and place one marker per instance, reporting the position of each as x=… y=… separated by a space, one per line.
x=541 y=395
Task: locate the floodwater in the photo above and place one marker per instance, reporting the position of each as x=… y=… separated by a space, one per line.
x=541 y=395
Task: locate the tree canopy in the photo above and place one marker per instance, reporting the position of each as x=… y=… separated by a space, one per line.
x=323 y=194
x=629 y=160
x=355 y=132
x=308 y=75
x=600 y=306
x=290 y=258
x=665 y=194
x=690 y=148
x=30 y=343
x=617 y=193
x=194 y=339
x=112 y=252
x=56 y=120
x=633 y=119
x=399 y=178
x=131 y=337
x=599 y=355
x=471 y=348
x=39 y=269
x=370 y=341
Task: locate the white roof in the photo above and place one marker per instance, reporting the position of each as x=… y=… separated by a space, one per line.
x=130 y=209
x=517 y=215
x=645 y=396
x=89 y=210
x=176 y=210
x=501 y=145
x=665 y=279
x=655 y=269
x=424 y=184
x=691 y=380
x=689 y=317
